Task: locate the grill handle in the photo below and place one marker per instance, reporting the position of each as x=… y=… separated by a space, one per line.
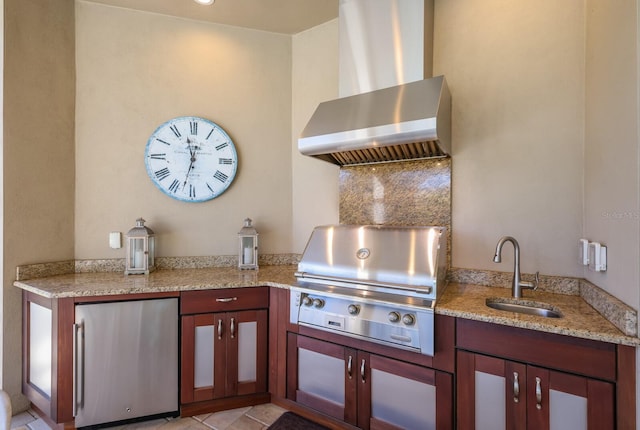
x=302 y=276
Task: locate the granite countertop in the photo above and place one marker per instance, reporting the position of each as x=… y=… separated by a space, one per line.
x=458 y=300
x=114 y=283
x=579 y=318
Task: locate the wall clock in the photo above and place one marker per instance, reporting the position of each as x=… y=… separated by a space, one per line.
x=191 y=159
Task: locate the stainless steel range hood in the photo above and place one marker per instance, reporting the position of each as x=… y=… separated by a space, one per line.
x=403 y=122
x=383 y=44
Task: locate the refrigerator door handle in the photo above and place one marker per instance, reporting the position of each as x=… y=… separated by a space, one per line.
x=78 y=368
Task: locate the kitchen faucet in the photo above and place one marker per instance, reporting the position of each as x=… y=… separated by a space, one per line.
x=517 y=284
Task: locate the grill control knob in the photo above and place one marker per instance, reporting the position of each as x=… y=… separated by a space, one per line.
x=394 y=316
x=353 y=309
x=408 y=319
x=307 y=301
x=318 y=303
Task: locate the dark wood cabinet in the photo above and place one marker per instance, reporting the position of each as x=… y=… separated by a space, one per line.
x=224 y=349
x=366 y=389
x=510 y=378
x=494 y=393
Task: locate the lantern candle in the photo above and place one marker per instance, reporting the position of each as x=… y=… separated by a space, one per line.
x=140 y=250
x=248 y=246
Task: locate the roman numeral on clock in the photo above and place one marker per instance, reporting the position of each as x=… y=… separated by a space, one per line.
x=175 y=130
x=220 y=176
x=158 y=156
x=162 y=173
x=163 y=141
x=222 y=146
x=192 y=191
x=193 y=127
x=174 y=186
x=209 y=135
x=225 y=161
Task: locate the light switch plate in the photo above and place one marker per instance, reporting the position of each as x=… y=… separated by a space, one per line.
x=597 y=257
x=583 y=251
x=115 y=240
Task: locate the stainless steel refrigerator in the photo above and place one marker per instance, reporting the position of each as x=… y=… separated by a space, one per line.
x=125 y=360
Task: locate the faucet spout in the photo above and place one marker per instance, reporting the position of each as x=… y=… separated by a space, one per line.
x=517 y=284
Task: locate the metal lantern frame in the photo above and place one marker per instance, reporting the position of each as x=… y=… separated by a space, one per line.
x=248 y=246
x=140 y=250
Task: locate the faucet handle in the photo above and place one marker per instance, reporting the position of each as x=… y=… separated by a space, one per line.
x=531 y=285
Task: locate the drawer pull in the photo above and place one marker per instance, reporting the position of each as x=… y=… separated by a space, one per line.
x=226 y=299
x=219 y=329
x=516 y=388
x=350 y=367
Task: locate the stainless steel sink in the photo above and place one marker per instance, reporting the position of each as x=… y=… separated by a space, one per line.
x=523 y=307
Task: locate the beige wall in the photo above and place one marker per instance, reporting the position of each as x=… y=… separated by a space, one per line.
x=136 y=70
x=38 y=151
x=612 y=212
x=314 y=80
x=516 y=73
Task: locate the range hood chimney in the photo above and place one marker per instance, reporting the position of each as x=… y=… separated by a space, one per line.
x=390 y=108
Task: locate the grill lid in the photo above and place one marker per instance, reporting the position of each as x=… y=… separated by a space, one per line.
x=405 y=257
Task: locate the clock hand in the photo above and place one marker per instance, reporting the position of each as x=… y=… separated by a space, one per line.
x=192 y=159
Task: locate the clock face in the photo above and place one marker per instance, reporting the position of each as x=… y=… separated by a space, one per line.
x=191 y=159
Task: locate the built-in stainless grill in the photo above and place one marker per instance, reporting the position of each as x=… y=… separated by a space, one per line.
x=375 y=283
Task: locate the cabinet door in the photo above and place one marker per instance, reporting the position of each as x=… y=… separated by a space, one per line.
x=223 y=355
x=396 y=395
x=499 y=394
x=247 y=340
x=561 y=401
x=203 y=353
x=491 y=393
x=322 y=376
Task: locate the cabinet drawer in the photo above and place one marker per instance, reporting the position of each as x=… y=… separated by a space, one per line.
x=228 y=299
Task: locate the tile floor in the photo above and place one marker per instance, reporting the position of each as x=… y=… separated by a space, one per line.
x=250 y=418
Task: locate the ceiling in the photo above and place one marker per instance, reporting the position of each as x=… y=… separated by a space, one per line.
x=278 y=16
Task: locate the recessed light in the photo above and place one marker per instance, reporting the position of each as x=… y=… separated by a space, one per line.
x=205 y=2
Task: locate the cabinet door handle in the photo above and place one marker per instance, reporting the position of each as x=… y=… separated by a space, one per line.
x=362 y=371
x=226 y=299
x=232 y=328
x=516 y=388
x=78 y=369
x=538 y=394
x=219 y=329
x=350 y=367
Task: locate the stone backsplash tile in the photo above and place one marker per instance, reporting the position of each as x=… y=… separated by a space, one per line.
x=42 y=270
x=624 y=317
x=489 y=278
x=408 y=193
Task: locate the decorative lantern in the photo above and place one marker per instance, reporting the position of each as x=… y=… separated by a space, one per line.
x=141 y=250
x=248 y=251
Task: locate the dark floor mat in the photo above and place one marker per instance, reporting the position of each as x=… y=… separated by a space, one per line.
x=291 y=421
